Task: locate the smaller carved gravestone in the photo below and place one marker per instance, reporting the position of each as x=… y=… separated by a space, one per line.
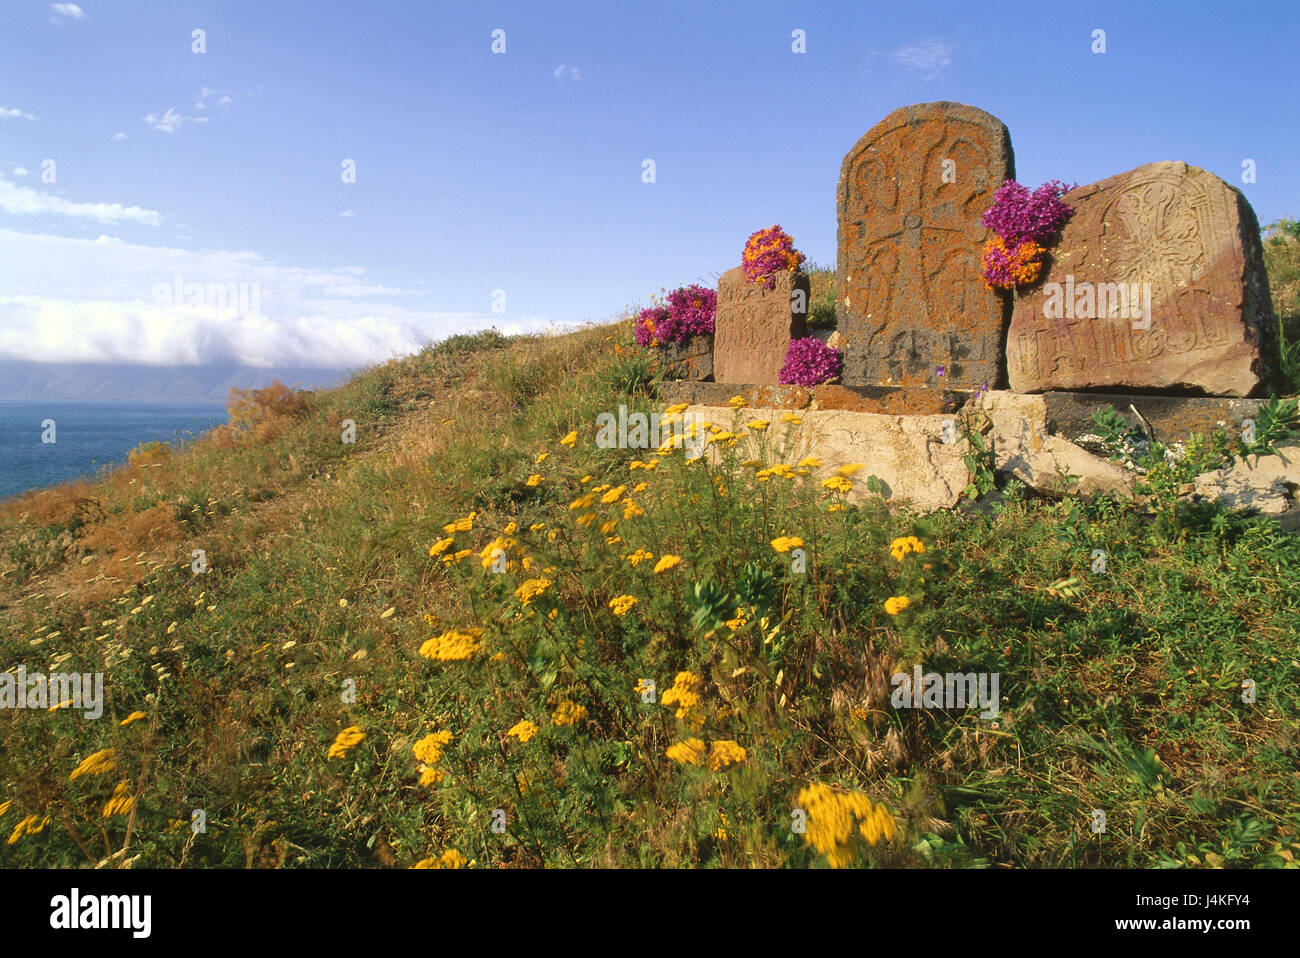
x=912 y=294
x=753 y=325
x=1158 y=281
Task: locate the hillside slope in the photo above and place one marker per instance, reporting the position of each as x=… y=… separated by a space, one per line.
x=434 y=645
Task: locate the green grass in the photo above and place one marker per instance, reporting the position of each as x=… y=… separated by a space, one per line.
x=1120 y=693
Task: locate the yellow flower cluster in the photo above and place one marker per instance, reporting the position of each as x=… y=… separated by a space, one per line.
x=685 y=693
x=691 y=751
x=568 y=713
x=907 y=544
x=636 y=558
x=786 y=543
x=100 y=763
x=837 y=484
x=738 y=623
x=736 y=402
x=428 y=751
x=631 y=510
x=782 y=469
x=570 y=440
x=621 y=604
x=531 y=589
x=121 y=803
x=636 y=464
x=501 y=548
x=523 y=730
x=667 y=562
x=449 y=859
x=724 y=753
x=133 y=717
x=758 y=425
x=896 y=604
x=346 y=741
x=535 y=480
x=834 y=817
x=460 y=525
x=452 y=646
x=31 y=825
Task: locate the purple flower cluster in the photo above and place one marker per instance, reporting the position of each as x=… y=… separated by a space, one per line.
x=810 y=362
x=1017 y=215
x=689 y=313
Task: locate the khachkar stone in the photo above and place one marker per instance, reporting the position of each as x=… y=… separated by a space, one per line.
x=753 y=325
x=1157 y=281
x=912 y=294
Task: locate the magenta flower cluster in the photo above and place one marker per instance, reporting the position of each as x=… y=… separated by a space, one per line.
x=1019 y=216
x=810 y=362
x=689 y=312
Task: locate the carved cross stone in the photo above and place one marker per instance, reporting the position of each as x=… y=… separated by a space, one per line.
x=912 y=297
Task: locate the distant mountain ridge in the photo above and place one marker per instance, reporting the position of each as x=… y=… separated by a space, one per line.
x=101 y=381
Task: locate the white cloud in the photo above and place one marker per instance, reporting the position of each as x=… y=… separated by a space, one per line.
x=223 y=99
x=565 y=72
x=66 y=11
x=14 y=114
x=347 y=213
x=119 y=136
x=21 y=171
x=78 y=300
x=929 y=57
x=25 y=201
x=171 y=121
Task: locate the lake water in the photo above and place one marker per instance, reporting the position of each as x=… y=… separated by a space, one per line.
x=88 y=435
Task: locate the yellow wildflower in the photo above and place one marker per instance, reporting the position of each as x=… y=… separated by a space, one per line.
x=133 y=717
x=99 y=763
x=849 y=469
x=724 y=753
x=460 y=525
x=582 y=502
x=121 y=802
x=570 y=439
x=786 y=543
x=429 y=748
x=346 y=741
x=834 y=817
x=613 y=495
x=639 y=487
x=897 y=604
x=568 y=713
x=687 y=752
x=622 y=604
x=452 y=646
x=523 y=730
x=791 y=418
x=736 y=402
x=811 y=462
x=677 y=409
x=631 y=510
x=535 y=480
x=442 y=545
x=667 y=562
x=685 y=693
x=31 y=825
x=541 y=457
x=531 y=589
x=758 y=425
x=903 y=546
x=636 y=558
x=837 y=484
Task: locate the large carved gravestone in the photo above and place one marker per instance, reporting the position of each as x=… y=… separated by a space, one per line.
x=753 y=325
x=1158 y=281
x=912 y=296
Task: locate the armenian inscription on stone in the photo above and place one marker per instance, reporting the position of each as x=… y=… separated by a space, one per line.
x=1158 y=281
x=912 y=298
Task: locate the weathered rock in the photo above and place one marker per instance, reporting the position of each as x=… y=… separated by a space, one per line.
x=691 y=360
x=753 y=325
x=1022 y=445
x=1267 y=484
x=890 y=400
x=907 y=453
x=912 y=296
x=1184 y=240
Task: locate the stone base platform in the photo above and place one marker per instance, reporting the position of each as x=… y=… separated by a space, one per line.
x=1068 y=414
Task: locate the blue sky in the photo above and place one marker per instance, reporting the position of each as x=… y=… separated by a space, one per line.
x=522 y=171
